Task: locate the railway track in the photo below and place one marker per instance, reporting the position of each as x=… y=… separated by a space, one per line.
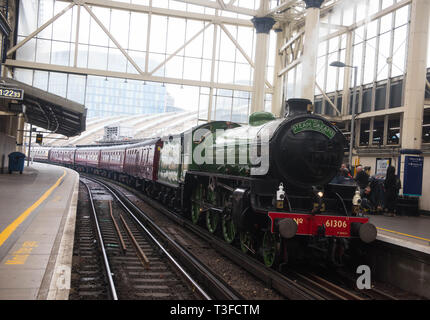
x=300 y=286
x=323 y=287
x=88 y=279
x=135 y=260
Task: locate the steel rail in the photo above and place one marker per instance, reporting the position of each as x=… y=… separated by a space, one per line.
x=115 y=224
x=194 y=283
x=140 y=253
x=273 y=279
x=328 y=287
x=102 y=247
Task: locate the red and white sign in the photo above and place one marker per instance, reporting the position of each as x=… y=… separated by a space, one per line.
x=307 y=224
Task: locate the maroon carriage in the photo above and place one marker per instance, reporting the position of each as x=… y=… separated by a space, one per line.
x=141 y=160
x=87 y=157
x=65 y=156
x=112 y=159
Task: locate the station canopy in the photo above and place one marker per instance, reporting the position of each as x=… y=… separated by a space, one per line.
x=46 y=110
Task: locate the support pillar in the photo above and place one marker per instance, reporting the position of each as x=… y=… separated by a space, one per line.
x=20 y=133
x=278 y=82
x=414 y=98
x=263 y=26
x=347 y=77
x=416 y=75
x=310 y=48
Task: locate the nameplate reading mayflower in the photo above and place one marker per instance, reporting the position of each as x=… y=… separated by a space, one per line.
x=314 y=125
x=11 y=93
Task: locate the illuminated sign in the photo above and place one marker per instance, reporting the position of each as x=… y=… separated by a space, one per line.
x=39 y=138
x=11 y=93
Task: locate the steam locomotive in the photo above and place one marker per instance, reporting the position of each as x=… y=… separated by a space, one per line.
x=265 y=186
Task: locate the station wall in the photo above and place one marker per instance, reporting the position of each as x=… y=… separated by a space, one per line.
x=7 y=145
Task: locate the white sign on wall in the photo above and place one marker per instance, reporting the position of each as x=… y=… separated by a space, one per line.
x=382 y=166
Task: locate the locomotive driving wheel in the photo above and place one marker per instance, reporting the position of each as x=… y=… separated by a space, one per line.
x=196 y=204
x=212 y=218
x=245 y=241
x=228 y=228
x=270 y=249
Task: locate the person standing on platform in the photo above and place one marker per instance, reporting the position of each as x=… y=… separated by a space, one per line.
x=344 y=171
x=392 y=185
x=362 y=179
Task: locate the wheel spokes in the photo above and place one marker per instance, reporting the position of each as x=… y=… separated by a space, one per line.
x=212 y=220
x=228 y=228
x=245 y=242
x=269 y=249
x=196 y=207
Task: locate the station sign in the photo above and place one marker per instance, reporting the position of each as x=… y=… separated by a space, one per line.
x=11 y=93
x=413 y=176
x=39 y=138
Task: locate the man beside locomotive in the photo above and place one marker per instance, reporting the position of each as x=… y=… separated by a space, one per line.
x=362 y=179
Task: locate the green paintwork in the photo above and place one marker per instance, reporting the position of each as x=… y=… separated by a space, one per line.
x=314 y=125
x=212 y=127
x=261 y=117
x=231 y=148
x=269 y=248
x=170 y=162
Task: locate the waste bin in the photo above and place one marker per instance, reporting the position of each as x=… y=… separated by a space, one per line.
x=16 y=162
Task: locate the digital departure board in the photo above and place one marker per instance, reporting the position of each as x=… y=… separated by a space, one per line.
x=11 y=93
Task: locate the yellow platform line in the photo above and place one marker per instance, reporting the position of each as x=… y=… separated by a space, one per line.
x=403 y=234
x=15 y=224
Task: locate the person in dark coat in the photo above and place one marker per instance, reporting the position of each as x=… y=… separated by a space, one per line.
x=362 y=178
x=392 y=186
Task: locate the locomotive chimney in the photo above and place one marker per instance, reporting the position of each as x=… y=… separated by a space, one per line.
x=298 y=106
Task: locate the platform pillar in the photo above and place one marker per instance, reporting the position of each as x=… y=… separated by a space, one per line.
x=416 y=75
x=310 y=54
x=410 y=161
x=20 y=133
x=263 y=25
x=278 y=83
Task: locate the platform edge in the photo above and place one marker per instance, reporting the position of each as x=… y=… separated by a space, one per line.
x=59 y=287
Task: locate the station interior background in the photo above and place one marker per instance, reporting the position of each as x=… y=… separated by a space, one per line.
x=199 y=60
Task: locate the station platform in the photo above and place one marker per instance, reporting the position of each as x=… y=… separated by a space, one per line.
x=404 y=231
x=37 y=226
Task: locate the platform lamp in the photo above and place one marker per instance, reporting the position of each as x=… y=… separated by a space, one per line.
x=339 y=64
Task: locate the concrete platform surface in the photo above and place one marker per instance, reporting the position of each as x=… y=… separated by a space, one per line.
x=37 y=225
x=409 y=232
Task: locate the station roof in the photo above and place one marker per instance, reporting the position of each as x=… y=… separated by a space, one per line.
x=47 y=110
